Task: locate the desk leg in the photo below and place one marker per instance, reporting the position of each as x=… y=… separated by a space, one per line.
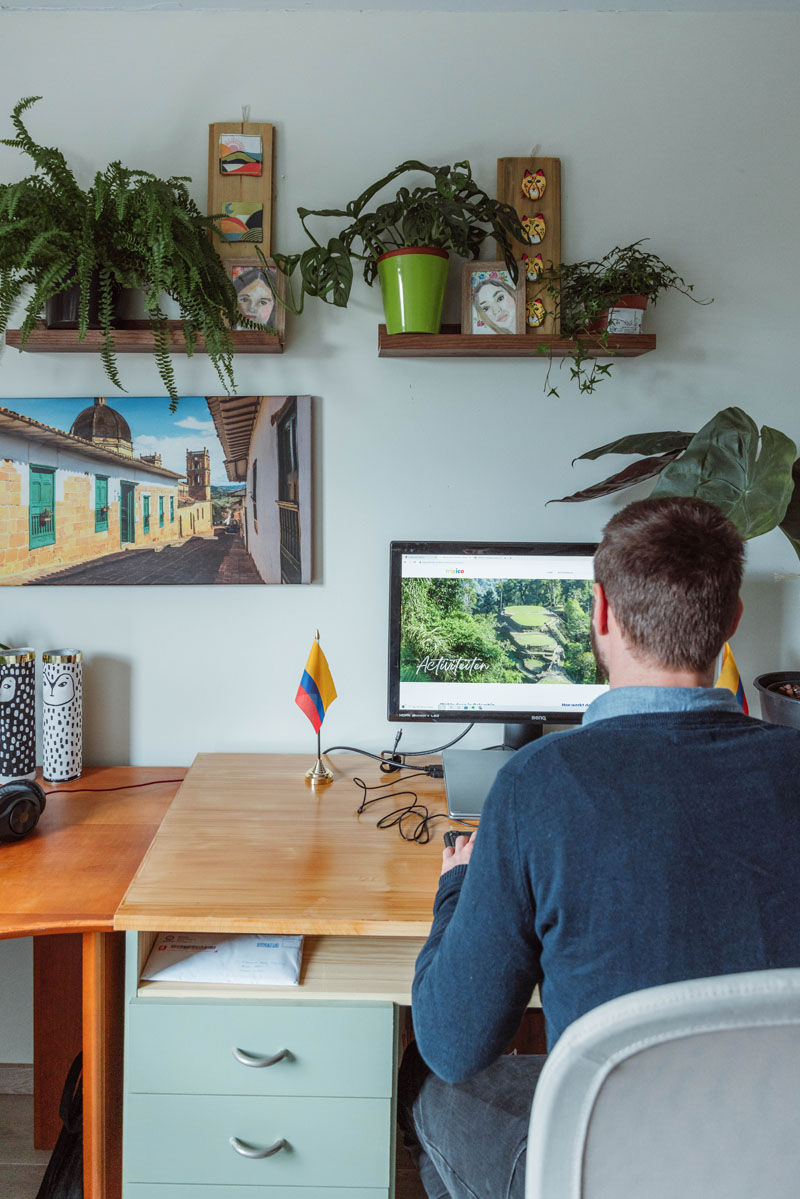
x=56 y=1027
x=103 y=989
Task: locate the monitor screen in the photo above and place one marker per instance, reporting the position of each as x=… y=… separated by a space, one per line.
x=491 y=631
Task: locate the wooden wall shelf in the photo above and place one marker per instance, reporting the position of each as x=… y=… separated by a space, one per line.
x=135 y=337
x=451 y=343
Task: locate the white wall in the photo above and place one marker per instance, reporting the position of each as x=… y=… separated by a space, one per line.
x=680 y=128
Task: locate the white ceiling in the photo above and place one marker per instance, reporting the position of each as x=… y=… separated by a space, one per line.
x=506 y=6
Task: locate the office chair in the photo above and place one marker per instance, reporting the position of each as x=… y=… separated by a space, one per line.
x=685 y=1091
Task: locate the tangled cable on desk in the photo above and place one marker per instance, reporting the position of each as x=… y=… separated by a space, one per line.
x=415 y=811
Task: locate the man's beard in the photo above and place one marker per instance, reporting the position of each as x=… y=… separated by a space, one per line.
x=602 y=665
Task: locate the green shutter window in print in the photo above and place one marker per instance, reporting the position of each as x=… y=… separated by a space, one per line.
x=127 y=526
x=42 y=507
x=82 y=479
x=101 y=504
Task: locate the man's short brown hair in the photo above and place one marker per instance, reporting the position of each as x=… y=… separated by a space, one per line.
x=671 y=569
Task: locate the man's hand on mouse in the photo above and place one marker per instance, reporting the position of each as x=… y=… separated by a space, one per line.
x=459 y=856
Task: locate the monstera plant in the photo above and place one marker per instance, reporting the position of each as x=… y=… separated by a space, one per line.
x=752 y=476
x=449 y=211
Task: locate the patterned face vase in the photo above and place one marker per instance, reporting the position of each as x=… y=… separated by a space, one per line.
x=62 y=712
x=17 y=714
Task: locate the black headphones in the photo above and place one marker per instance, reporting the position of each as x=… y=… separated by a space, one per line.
x=21 y=804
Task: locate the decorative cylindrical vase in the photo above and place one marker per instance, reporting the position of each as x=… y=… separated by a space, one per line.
x=62 y=713
x=17 y=714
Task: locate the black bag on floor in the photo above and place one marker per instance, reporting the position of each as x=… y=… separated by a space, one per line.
x=63 y=1178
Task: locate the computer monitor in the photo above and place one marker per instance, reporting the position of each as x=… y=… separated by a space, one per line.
x=491 y=631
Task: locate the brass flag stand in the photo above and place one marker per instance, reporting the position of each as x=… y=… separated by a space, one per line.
x=319 y=772
x=314 y=696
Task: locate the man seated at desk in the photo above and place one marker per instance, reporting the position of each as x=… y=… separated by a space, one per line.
x=658 y=842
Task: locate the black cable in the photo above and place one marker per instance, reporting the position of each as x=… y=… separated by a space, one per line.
x=421 y=753
x=396 y=761
x=123 y=787
x=420 y=832
x=376 y=757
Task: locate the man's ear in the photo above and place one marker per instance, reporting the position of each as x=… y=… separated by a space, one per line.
x=737 y=618
x=600 y=610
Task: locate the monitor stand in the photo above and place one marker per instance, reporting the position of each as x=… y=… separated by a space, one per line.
x=469 y=773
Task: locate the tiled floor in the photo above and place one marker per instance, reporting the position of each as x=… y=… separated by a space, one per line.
x=22 y=1166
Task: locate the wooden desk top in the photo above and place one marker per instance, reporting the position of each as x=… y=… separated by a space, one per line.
x=71 y=872
x=249 y=846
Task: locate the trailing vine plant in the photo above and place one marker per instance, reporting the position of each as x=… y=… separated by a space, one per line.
x=129 y=228
x=579 y=293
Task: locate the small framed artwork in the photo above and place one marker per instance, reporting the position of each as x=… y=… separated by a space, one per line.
x=240 y=154
x=490 y=300
x=240 y=187
x=258 y=292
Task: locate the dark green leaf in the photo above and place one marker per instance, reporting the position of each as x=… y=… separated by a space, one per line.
x=641 y=443
x=637 y=472
x=722 y=464
x=790 y=525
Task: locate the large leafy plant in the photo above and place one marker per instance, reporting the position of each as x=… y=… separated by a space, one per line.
x=580 y=292
x=451 y=213
x=752 y=475
x=130 y=229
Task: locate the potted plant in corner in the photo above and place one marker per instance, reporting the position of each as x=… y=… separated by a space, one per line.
x=404 y=242
x=129 y=229
x=752 y=476
x=596 y=299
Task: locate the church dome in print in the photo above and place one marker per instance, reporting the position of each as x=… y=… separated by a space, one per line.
x=104 y=426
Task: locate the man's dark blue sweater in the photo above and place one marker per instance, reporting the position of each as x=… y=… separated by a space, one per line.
x=658 y=842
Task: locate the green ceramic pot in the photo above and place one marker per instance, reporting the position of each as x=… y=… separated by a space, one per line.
x=413 y=280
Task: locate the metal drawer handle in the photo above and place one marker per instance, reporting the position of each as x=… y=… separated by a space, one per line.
x=251 y=1151
x=250 y=1059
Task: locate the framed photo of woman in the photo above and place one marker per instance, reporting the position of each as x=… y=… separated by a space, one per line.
x=490 y=301
x=258 y=292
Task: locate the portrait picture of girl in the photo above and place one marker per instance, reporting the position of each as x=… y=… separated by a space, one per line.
x=257 y=290
x=491 y=301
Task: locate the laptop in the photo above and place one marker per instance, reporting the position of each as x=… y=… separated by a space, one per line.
x=468 y=777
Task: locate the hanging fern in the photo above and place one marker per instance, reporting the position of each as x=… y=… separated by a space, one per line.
x=131 y=229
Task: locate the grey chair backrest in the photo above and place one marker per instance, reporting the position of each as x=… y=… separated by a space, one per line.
x=685 y=1091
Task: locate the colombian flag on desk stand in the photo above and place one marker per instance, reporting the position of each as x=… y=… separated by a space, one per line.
x=314 y=696
x=729 y=677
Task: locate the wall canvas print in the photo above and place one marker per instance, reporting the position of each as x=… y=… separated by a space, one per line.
x=242 y=221
x=240 y=154
x=125 y=492
x=490 y=300
x=257 y=292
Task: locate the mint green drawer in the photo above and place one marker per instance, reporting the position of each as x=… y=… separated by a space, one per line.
x=188 y=1048
x=147 y=1190
x=341 y=1143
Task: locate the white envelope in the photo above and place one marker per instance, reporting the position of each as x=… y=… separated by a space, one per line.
x=225 y=958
